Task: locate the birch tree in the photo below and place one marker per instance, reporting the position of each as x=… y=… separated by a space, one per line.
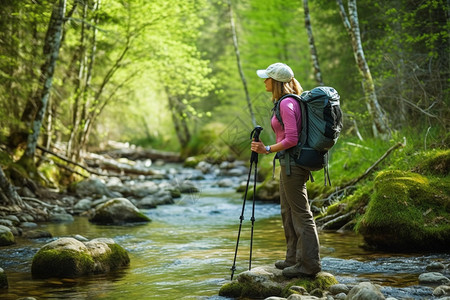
x=238 y=60
x=380 y=126
x=51 y=52
x=312 y=45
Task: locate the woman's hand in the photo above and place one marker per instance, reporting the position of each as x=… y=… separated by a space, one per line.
x=258 y=147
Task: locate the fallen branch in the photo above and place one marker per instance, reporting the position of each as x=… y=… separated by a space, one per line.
x=372 y=167
x=73 y=163
x=39 y=202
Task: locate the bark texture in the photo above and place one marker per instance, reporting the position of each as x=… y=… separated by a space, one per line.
x=380 y=126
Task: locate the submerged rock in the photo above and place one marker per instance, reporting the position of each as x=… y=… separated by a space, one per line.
x=435 y=278
x=3 y=279
x=118 y=211
x=69 y=258
x=6 y=236
x=263 y=282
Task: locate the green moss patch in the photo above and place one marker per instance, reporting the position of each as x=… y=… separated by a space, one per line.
x=435 y=162
x=61 y=263
x=407 y=212
x=322 y=281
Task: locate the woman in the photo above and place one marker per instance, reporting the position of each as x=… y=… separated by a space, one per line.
x=302 y=253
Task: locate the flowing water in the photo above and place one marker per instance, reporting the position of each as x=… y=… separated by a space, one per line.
x=186 y=252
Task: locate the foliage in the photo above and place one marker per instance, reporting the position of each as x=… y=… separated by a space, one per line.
x=147 y=52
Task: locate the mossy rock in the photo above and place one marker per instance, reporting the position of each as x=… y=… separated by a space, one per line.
x=63 y=258
x=70 y=258
x=407 y=212
x=435 y=162
x=263 y=282
x=268 y=191
x=322 y=281
x=6 y=236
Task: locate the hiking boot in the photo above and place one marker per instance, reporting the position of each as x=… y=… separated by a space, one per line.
x=281 y=264
x=295 y=271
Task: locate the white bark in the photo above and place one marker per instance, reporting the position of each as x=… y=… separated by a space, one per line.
x=238 y=59
x=312 y=45
x=379 y=126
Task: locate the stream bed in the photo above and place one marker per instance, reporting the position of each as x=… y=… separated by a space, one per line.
x=186 y=252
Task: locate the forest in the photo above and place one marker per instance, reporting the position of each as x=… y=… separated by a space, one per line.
x=179 y=78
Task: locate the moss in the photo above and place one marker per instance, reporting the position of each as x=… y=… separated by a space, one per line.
x=407 y=212
x=322 y=281
x=435 y=162
x=6 y=238
x=118 y=257
x=232 y=290
x=61 y=263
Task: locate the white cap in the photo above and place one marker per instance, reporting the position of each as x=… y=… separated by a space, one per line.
x=278 y=71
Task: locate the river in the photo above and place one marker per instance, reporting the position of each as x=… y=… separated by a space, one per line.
x=186 y=252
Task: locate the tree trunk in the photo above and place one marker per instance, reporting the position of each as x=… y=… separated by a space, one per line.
x=8 y=194
x=312 y=45
x=380 y=126
x=179 y=120
x=238 y=60
x=51 y=52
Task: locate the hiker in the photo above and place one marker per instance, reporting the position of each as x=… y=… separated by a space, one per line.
x=302 y=241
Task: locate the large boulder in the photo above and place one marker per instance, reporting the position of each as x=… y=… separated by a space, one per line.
x=6 y=236
x=118 y=211
x=267 y=281
x=407 y=212
x=69 y=258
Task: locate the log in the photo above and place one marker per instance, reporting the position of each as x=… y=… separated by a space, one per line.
x=374 y=165
x=140 y=154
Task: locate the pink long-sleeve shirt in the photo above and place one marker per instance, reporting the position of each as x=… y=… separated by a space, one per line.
x=291 y=116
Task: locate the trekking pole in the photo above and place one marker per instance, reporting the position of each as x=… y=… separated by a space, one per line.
x=254 y=158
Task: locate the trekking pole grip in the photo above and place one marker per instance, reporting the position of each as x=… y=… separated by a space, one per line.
x=255 y=133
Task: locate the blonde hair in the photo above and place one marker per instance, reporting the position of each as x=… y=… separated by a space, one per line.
x=279 y=89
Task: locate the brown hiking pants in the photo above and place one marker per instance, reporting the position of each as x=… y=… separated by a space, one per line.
x=299 y=227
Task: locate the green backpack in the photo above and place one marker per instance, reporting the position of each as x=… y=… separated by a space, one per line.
x=321 y=116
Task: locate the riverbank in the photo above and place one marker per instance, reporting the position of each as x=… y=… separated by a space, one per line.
x=187 y=249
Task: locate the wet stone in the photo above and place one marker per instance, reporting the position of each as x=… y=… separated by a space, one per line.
x=433 y=278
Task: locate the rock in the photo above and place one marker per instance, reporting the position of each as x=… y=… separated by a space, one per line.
x=26 y=218
x=13 y=219
x=339 y=288
x=340 y=296
x=92 y=187
x=3 y=279
x=69 y=258
x=302 y=297
x=433 y=278
x=80 y=238
x=152 y=201
x=5 y=222
x=37 y=234
x=61 y=218
x=144 y=189
x=365 y=290
x=28 y=225
x=391 y=298
x=107 y=255
x=435 y=267
x=443 y=290
x=6 y=236
x=118 y=211
x=188 y=187
x=226 y=182
x=299 y=289
x=267 y=281
x=82 y=205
